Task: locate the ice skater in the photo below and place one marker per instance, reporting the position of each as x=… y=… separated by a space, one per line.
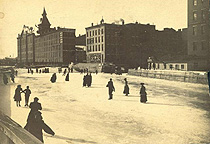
x=17 y=96
x=111 y=88
x=53 y=78
x=67 y=77
x=35 y=125
x=143 y=93
x=126 y=88
x=12 y=76
x=27 y=92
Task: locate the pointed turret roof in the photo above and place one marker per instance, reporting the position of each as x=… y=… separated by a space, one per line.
x=45 y=21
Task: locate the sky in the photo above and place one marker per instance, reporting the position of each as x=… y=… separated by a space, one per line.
x=79 y=14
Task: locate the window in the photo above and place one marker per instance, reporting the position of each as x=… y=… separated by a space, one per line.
x=102 y=31
x=102 y=38
x=99 y=39
x=194 y=2
x=95 y=32
x=96 y=39
x=102 y=47
x=194 y=30
x=194 y=46
x=98 y=47
x=87 y=48
x=182 y=66
x=93 y=47
x=90 y=33
x=90 y=48
x=98 y=31
x=195 y=16
x=202 y=29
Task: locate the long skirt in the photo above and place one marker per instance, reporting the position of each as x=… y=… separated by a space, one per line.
x=143 y=98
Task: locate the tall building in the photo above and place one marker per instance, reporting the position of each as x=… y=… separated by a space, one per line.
x=52 y=46
x=198 y=34
x=131 y=44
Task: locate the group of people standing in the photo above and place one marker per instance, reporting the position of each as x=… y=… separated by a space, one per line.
x=111 y=89
x=87 y=80
x=12 y=77
x=17 y=96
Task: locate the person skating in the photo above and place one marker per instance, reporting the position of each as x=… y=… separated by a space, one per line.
x=17 y=96
x=126 y=88
x=35 y=125
x=111 y=88
x=64 y=73
x=12 y=76
x=143 y=93
x=84 y=81
x=67 y=77
x=5 y=79
x=27 y=92
x=53 y=78
x=34 y=106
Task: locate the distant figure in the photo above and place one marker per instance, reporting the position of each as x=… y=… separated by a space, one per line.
x=88 y=79
x=126 y=88
x=17 y=96
x=53 y=78
x=110 y=85
x=36 y=124
x=64 y=73
x=72 y=70
x=32 y=72
x=12 y=76
x=84 y=81
x=28 y=70
x=96 y=71
x=27 y=92
x=16 y=72
x=154 y=66
x=5 y=79
x=40 y=71
x=143 y=94
x=69 y=70
x=37 y=70
x=67 y=77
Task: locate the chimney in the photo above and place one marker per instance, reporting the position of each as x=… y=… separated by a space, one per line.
x=91 y=24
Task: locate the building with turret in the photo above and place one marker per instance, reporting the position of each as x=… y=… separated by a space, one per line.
x=51 y=46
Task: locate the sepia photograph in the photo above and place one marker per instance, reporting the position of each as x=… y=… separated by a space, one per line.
x=105 y=72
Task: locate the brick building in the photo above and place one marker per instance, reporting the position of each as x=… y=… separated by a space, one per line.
x=198 y=34
x=131 y=44
x=53 y=46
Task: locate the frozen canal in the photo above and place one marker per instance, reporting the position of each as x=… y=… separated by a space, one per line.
x=176 y=112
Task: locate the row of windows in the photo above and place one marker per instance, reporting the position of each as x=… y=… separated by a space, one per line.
x=95 y=48
x=195 y=30
x=97 y=40
x=203 y=46
x=49 y=55
x=95 y=32
x=195 y=15
x=195 y=2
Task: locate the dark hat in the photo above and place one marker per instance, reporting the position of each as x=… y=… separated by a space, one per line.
x=36 y=98
x=110 y=78
x=125 y=78
x=141 y=83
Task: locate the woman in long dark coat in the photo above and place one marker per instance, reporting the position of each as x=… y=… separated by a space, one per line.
x=36 y=124
x=53 y=78
x=126 y=88
x=17 y=96
x=67 y=77
x=143 y=94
